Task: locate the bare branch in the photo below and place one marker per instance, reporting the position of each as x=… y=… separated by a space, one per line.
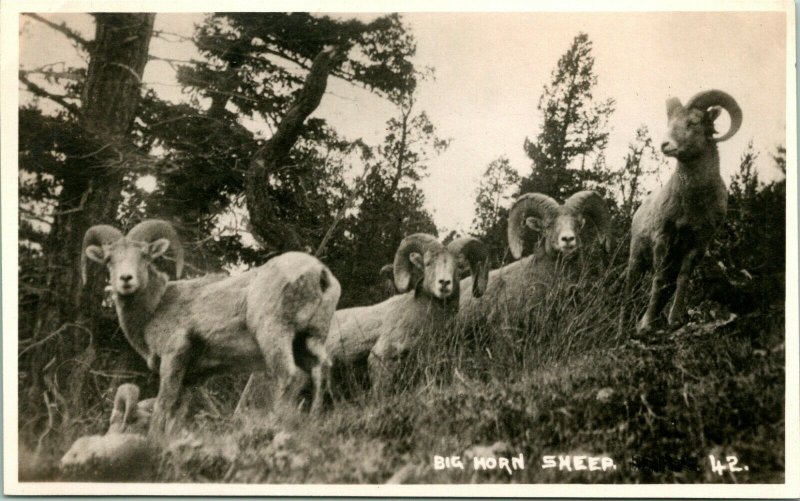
x=348 y=203
x=68 y=75
x=170 y=61
x=62 y=28
x=161 y=34
x=39 y=91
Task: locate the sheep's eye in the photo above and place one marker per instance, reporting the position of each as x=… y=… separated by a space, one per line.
x=695 y=120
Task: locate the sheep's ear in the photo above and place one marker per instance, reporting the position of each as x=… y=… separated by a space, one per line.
x=95 y=253
x=713 y=113
x=534 y=223
x=416 y=260
x=158 y=248
x=581 y=222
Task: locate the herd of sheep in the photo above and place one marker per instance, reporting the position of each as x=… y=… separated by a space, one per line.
x=281 y=317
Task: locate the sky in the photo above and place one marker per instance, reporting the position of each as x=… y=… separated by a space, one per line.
x=490 y=69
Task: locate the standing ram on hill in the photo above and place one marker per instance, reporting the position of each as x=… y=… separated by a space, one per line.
x=275 y=317
x=673 y=227
x=564 y=231
x=426 y=276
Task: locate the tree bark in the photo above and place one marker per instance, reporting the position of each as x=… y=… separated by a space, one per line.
x=90 y=195
x=266 y=227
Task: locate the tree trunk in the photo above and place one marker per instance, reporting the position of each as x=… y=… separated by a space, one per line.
x=273 y=234
x=90 y=195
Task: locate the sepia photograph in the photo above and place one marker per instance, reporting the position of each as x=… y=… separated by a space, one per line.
x=266 y=252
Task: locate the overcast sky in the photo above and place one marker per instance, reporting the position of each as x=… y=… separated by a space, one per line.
x=490 y=69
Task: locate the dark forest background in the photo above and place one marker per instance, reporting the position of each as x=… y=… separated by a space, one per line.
x=237 y=198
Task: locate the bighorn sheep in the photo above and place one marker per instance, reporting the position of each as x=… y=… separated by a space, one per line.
x=425 y=274
x=673 y=226
x=565 y=229
x=123 y=450
x=275 y=317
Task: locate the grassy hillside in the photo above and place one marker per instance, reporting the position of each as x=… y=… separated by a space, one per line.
x=547 y=376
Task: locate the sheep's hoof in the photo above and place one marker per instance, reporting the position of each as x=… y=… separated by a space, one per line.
x=675 y=321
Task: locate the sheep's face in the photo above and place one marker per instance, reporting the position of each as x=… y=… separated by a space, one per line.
x=561 y=232
x=439 y=269
x=689 y=130
x=128 y=262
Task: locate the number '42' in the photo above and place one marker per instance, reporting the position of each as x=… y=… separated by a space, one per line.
x=731 y=465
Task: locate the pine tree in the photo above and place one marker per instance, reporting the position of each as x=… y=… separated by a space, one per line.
x=567 y=154
x=492 y=202
x=389 y=205
x=84 y=179
x=642 y=163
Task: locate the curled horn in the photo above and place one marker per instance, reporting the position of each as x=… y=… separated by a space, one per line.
x=101 y=235
x=386 y=272
x=387 y=280
x=535 y=203
x=418 y=242
x=594 y=208
x=153 y=229
x=386 y=277
x=704 y=100
x=477 y=255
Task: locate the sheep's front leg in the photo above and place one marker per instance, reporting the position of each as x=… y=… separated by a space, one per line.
x=687 y=265
x=633 y=274
x=658 y=288
x=172 y=370
x=383 y=359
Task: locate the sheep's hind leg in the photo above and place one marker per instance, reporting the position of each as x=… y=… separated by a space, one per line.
x=688 y=264
x=275 y=342
x=320 y=372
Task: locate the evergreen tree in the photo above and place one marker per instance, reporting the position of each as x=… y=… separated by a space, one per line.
x=72 y=169
x=82 y=165
x=388 y=205
x=272 y=68
x=493 y=200
x=567 y=153
x=754 y=228
x=642 y=163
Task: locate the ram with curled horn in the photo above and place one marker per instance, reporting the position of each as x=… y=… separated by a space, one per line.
x=563 y=231
x=273 y=318
x=106 y=236
x=426 y=276
x=674 y=225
